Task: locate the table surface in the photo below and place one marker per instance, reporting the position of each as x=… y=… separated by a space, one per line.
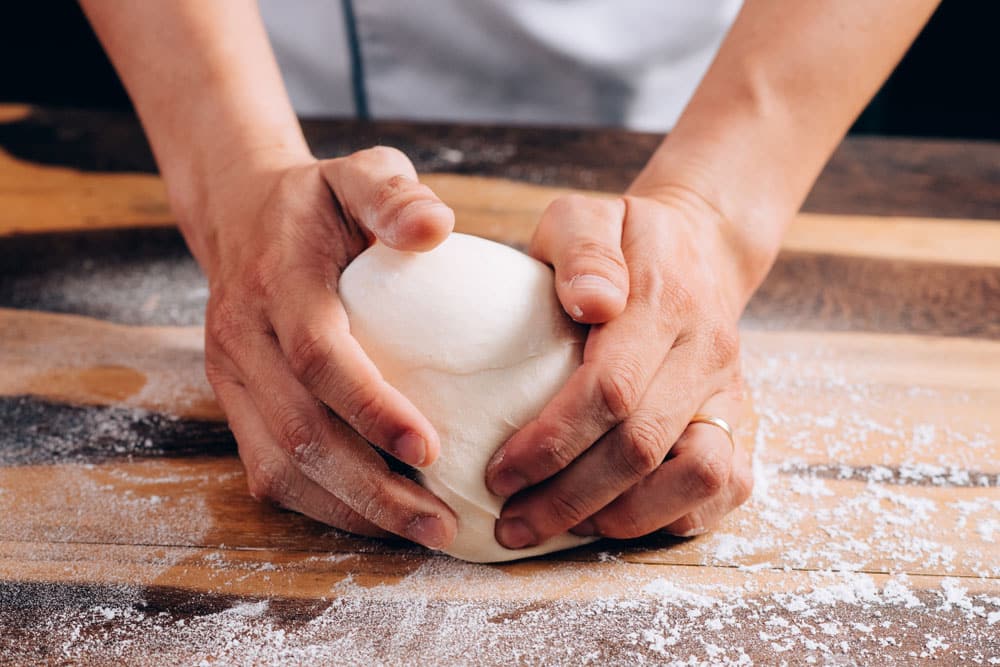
x=872 y=353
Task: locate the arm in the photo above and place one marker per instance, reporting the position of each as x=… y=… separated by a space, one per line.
x=786 y=85
x=677 y=259
x=272 y=228
x=208 y=91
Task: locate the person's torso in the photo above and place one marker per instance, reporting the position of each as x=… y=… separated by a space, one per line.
x=632 y=63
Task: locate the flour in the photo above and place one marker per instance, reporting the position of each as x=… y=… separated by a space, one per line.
x=825 y=565
x=37 y=432
x=654 y=621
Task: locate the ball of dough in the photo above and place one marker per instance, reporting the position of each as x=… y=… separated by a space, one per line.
x=473 y=334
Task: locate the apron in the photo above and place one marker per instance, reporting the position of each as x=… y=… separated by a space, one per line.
x=627 y=63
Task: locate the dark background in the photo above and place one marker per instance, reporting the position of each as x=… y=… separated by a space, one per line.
x=948 y=85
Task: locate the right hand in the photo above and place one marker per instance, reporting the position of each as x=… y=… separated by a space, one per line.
x=302 y=398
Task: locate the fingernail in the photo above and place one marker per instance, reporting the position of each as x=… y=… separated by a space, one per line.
x=595 y=285
x=508 y=482
x=515 y=534
x=694 y=532
x=410 y=448
x=428 y=531
x=585 y=528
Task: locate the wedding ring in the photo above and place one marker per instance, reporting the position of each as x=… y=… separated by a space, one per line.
x=716 y=421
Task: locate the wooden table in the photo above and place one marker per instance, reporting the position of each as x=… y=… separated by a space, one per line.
x=872 y=353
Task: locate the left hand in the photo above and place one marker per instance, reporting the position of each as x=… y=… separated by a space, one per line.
x=613 y=453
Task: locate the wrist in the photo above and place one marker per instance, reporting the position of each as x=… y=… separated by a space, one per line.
x=218 y=134
x=209 y=164
x=216 y=200
x=744 y=250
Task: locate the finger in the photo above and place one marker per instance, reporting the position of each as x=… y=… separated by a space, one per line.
x=378 y=189
x=619 y=361
x=314 y=334
x=272 y=476
x=704 y=477
x=331 y=454
x=581 y=237
x=619 y=460
x=708 y=515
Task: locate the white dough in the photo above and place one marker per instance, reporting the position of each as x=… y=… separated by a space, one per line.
x=473 y=334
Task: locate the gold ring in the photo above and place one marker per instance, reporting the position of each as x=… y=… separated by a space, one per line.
x=716 y=421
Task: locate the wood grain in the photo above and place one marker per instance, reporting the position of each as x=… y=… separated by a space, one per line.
x=47 y=199
x=838 y=293
x=86 y=361
x=751 y=615
x=865 y=176
x=202 y=502
x=894 y=275
x=289 y=573
x=872 y=358
x=847 y=429
x=883 y=381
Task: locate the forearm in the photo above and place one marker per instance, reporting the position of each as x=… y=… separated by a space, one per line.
x=787 y=83
x=206 y=87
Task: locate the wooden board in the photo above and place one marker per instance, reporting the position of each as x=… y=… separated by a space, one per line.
x=127 y=536
x=45 y=199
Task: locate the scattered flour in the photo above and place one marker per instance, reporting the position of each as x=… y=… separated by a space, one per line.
x=842 y=559
x=645 y=622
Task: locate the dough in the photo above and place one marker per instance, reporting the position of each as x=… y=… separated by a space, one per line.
x=473 y=334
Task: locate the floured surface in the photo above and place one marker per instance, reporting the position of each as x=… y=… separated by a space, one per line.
x=643 y=615
x=126 y=534
x=873 y=536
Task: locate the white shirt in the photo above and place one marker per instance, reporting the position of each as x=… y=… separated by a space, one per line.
x=630 y=63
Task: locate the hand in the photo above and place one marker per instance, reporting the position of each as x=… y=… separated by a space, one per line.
x=302 y=398
x=614 y=454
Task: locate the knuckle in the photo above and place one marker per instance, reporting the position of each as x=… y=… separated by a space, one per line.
x=568 y=509
x=389 y=190
x=265 y=274
x=295 y=431
x=379 y=154
x=620 y=387
x=575 y=203
x=723 y=346
x=565 y=205
x=554 y=453
x=226 y=327
x=378 y=505
x=676 y=297
x=624 y=522
x=643 y=446
x=590 y=256
x=216 y=375
x=269 y=479
x=309 y=356
x=648 y=283
x=362 y=407
x=711 y=474
x=343 y=517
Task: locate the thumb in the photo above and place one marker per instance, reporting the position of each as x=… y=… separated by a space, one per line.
x=581 y=237
x=378 y=189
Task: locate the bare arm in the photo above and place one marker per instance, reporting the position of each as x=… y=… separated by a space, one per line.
x=679 y=256
x=785 y=87
x=207 y=89
x=272 y=228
